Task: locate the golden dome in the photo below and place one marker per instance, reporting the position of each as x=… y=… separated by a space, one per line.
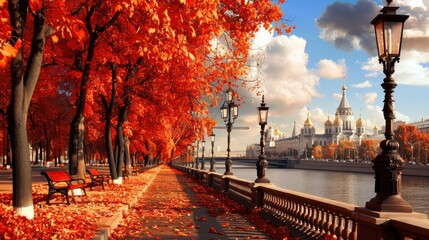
x=359 y=122
x=276 y=132
x=328 y=122
x=338 y=121
x=308 y=122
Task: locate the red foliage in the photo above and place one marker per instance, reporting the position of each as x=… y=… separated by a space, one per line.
x=60 y=221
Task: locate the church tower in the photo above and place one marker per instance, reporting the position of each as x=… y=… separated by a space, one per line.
x=328 y=126
x=294 y=129
x=360 y=128
x=308 y=126
x=344 y=112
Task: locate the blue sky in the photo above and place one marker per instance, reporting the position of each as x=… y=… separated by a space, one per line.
x=333 y=42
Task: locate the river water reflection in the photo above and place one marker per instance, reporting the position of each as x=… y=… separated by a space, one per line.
x=353 y=188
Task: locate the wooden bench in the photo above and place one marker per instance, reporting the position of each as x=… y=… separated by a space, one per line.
x=137 y=169
x=61 y=182
x=97 y=178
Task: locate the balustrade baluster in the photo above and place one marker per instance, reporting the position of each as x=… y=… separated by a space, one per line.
x=339 y=228
x=295 y=212
x=308 y=215
x=289 y=211
x=314 y=218
x=353 y=234
x=322 y=220
x=283 y=208
x=347 y=230
x=326 y=224
x=276 y=205
x=333 y=224
x=303 y=214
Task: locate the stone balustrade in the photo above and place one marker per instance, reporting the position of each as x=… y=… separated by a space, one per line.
x=312 y=217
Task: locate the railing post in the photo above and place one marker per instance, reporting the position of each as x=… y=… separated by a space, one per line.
x=225 y=184
x=257 y=196
x=210 y=179
x=376 y=225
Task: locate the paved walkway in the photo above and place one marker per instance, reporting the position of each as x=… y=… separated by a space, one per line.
x=177 y=207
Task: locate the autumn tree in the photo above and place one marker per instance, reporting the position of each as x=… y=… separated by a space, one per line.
x=329 y=150
x=410 y=139
x=28 y=26
x=370 y=147
x=317 y=152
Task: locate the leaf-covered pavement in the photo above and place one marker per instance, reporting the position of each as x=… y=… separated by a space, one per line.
x=174 y=206
x=177 y=207
x=79 y=220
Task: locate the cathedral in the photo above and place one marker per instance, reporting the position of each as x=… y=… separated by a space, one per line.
x=343 y=127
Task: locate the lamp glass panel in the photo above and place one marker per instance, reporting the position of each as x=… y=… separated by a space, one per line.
x=235 y=111
x=379 y=37
x=263 y=115
x=212 y=137
x=224 y=112
x=203 y=143
x=394 y=36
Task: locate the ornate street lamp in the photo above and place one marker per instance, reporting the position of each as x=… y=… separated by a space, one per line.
x=188 y=153
x=262 y=164
x=212 y=161
x=229 y=112
x=196 y=159
x=203 y=144
x=191 y=157
x=388 y=164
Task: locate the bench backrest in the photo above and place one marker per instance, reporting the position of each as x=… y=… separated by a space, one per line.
x=57 y=176
x=93 y=172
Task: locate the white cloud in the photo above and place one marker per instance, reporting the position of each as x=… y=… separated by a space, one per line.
x=285 y=76
x=413 y=3
x=337 y=96
x=376 y=118
x=332 y=70
x=370 y=97
x=365 y=84
x=411 y=70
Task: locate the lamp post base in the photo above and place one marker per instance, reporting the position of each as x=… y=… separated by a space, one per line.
x=393 y=203
x=228 y=165
x=262 y=180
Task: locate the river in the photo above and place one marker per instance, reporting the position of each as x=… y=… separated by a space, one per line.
x=353 y=188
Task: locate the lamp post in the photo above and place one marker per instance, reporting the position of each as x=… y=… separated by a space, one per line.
x=203 y=144
x=188 y=152
x=229 y=112
x=192 y=154
x=212 y=161
x=388 y=164
x=196 y=159
x=262 y=164
x=426 y=157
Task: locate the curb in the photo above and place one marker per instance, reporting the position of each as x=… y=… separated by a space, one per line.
x=108 y=224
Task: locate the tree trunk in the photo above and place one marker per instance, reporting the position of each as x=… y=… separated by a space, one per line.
x=76 y=149
x=23 y=84
x=108 y=126
x=77 y=126
x=76 y=141
x=8 y=150
x=120 y=140
x=127 y=155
